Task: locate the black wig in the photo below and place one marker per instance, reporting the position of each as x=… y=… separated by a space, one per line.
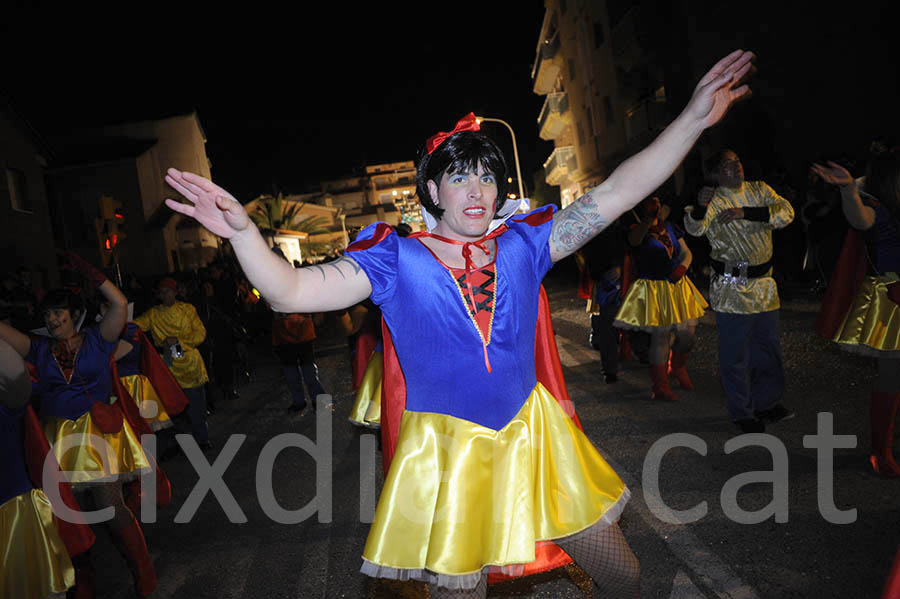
x=460 y=153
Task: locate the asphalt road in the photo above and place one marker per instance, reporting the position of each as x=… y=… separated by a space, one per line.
x=800 y=555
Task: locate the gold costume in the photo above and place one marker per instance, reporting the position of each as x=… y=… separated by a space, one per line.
x=179 y=320
x=122 y=458
x=366 y=410
x=148 y=402
x=742 y=240
x=35 y=562
x=872 y=325
x=651 y=304
x=539 y=467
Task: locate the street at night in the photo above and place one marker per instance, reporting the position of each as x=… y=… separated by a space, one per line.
x=806 y=556
x=299 y=264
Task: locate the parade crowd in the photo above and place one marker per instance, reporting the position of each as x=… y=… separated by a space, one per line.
x=96 y=360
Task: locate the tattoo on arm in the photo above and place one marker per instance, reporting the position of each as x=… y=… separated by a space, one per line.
x=575 y=226
x=337 y=263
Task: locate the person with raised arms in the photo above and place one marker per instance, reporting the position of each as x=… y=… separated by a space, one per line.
x=487 y=462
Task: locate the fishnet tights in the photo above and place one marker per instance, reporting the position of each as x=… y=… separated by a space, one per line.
x=603 y=554
x=110 y=495
x=479 y=592
x=608 y=560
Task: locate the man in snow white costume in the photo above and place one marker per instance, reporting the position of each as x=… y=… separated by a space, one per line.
x=487 y=463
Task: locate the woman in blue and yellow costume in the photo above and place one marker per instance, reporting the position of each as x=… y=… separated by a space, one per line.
x=92 y=442
x=487 y=462
x=868 y=319
x=36 y=547
x=662 y=300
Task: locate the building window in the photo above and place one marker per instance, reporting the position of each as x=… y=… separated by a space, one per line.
x=598 y=34
x=18 y=190
x=608 y=110
x=580 y=134
x=572 y=70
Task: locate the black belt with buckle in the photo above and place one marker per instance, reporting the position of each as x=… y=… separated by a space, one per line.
x=753 y=272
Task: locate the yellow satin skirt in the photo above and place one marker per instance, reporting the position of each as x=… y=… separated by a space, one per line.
x=460 y=496
x=34 y=563
x=148 y=402
x=366 y=410
x=872 y=325
x=87 y=460
x=650 y=305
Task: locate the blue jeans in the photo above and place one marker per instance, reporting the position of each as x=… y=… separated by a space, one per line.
x=196 y=412
x=750 y=362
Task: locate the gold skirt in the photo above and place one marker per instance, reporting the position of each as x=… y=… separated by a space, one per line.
x=872 y=325
x=148 y=402
x=460 y=496
x=366 y=409
x=651 y=305
x=120 y=458
x=34 y=560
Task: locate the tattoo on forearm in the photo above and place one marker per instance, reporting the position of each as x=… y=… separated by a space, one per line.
x=575 y=226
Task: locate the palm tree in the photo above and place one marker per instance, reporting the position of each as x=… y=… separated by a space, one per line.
x=272 y=213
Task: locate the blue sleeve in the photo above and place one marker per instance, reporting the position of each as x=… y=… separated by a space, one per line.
x=107 y=347
x=375 y=250
x=534 y=229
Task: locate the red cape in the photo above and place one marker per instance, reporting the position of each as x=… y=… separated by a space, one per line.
x=366 y=341
x=152 y=366
x=169 y=392
x=549 y=373
x=892 y=584
x=846 y=279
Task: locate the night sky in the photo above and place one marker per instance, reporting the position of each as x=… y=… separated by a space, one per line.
x=287 y=100
x=294 y=96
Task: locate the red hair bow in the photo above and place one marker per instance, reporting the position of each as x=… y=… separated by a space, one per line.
x=467 y=123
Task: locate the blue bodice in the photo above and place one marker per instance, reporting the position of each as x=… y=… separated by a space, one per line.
x=437 y=342
x=90 y=379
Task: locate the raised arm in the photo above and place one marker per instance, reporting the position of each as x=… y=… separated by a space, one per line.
x=641 y=174
x=859 y=215
x=15 y=385
x=332 y=286
x=117 y=311
x=15 y=338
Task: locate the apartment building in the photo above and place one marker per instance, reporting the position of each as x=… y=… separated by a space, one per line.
x=605 y=95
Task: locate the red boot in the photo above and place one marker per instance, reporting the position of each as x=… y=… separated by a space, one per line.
x=133 y=547
x=677 y=368
x=661 y=389
x=884 y=413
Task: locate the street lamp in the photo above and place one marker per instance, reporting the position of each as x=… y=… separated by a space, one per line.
x=479 y=120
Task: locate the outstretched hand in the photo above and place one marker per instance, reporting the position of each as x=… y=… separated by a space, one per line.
x=210 y=205
x=721 y=87
x=834 y=173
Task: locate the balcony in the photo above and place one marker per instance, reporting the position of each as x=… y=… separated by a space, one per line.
x=555 y=115
x=561 y=164
x=548 y=64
